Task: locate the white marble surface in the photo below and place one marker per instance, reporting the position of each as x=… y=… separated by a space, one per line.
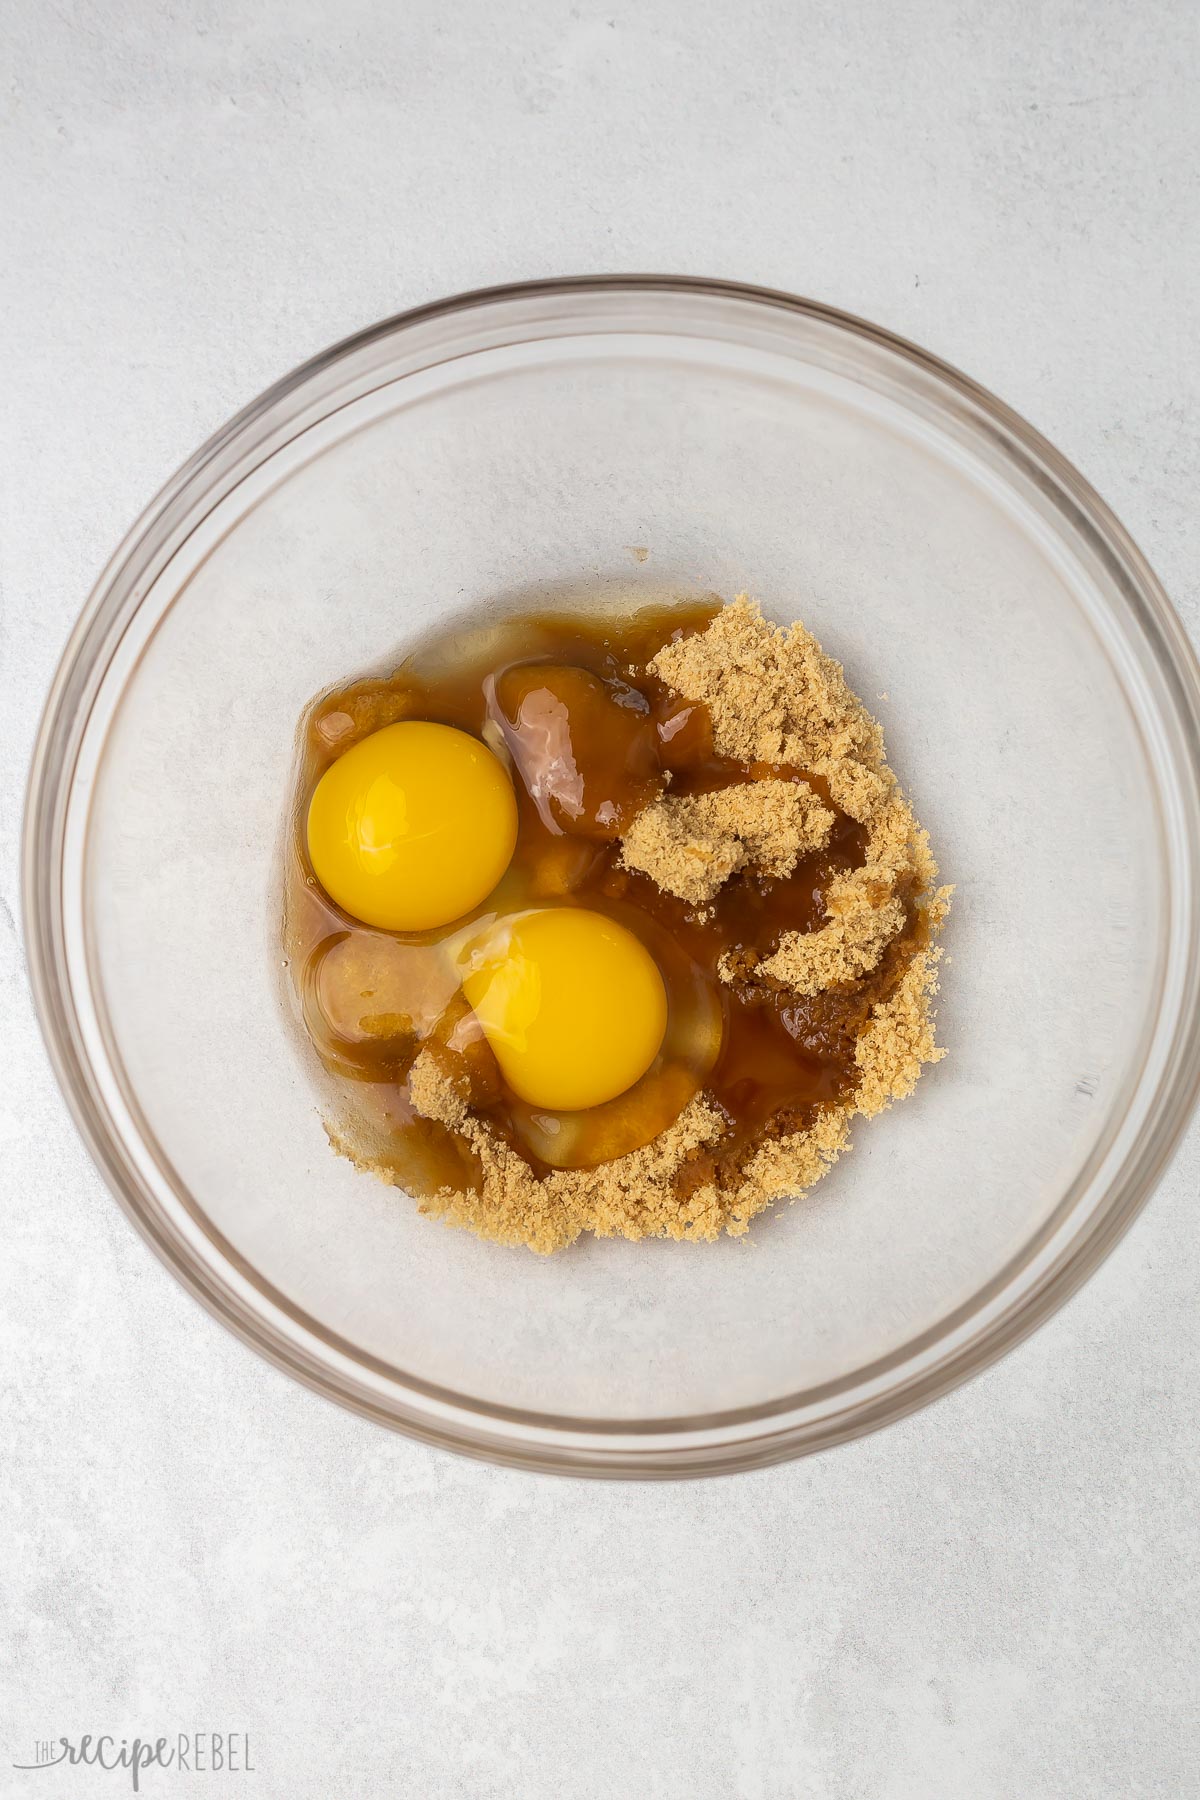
x=996 y=1600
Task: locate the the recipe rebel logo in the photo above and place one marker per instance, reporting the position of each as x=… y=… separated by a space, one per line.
x=184 y=1753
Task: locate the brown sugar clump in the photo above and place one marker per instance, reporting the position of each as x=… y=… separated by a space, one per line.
x=899 y=1041
x=773 y=695
x=435 y=1094
x=864 y=917
x=690 y=846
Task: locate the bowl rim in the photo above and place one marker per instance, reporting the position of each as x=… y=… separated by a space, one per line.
x=662 y=1448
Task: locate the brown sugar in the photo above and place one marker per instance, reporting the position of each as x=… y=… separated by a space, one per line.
x=863 y=918
x=737 y=811
x=773 y=696
x=636 y=1195
x=691 y=845
x=899 y=1041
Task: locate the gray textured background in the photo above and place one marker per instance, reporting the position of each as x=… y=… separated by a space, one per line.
x=997 y=1600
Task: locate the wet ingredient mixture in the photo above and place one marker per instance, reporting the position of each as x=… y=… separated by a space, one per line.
x=607 y=924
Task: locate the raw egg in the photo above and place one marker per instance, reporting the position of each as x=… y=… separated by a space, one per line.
x=412 y=827
x=573 y=1005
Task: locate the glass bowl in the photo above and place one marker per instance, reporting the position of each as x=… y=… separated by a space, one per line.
x=595 y=442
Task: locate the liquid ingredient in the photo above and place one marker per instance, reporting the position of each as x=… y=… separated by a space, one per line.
x=615 y=730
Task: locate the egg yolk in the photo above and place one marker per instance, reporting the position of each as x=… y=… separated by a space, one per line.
x=573 y=1005
x=412 y=827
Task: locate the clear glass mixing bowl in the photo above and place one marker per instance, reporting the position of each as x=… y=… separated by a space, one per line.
x=1041 y=703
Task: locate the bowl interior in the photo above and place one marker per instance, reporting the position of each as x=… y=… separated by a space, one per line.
x=795 y=467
